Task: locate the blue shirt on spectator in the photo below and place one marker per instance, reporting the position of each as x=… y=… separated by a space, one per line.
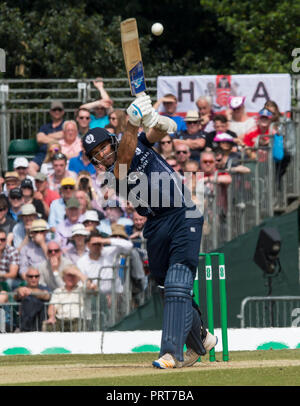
x=181 y=126
x=98 y=122
x=76 y=165
x=46 y=129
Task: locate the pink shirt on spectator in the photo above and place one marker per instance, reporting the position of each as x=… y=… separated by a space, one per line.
x=71 y=150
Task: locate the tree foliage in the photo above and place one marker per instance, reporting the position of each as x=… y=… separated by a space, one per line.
x=54 y=39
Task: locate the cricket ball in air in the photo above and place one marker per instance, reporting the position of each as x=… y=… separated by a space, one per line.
x=157 y=29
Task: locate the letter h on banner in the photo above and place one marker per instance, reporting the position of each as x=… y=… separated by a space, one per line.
x=190 y=91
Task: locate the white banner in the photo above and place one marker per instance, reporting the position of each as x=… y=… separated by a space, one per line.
x=257 y=88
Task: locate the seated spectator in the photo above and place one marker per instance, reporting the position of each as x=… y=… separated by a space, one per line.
x=11 y=181
x=113 y=214
x=169 y=102
x=63 y=230
x=225 y=142
x=101 y=108
x=193 y=167
x=118 y=119
x=35 y=251
x=7 y=223
x=165 y=147
x=60 y=172
x=210 y=173
x=239 y=121
x=183 y=154
x=70 y=143
x=83 y=119
x=66 y=311
x=78 y=246
x=53 y=148
x=204 y=105
x=85 y=184
x=80 y=163
x=172 y=162
x=58 y=207
x=225 y=162
x=97 y=264
x=52 y=266
x=9 y=262
x=45 y=195
x=261 y=130
x=21 y=166
x=32 y=296
x=84 y=201
x=221 y=125
x=15 y=200
x=47 y=133
x=28 y=197
x=135 y=232
x=90 y=220
x=22 y=228
x=193 y=136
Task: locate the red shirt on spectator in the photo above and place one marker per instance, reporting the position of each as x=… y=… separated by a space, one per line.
x=50 y=195
x=250 y=138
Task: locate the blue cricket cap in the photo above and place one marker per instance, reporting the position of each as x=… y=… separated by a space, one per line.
x=94 y=137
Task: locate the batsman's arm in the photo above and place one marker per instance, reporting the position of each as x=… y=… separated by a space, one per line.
x=126 y=149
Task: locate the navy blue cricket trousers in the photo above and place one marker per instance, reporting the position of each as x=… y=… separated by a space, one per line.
x=172 y=239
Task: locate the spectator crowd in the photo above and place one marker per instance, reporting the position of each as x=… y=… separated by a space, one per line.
x=61 y=234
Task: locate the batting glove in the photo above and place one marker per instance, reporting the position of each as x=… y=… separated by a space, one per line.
x=139 y=108
x=150 y=120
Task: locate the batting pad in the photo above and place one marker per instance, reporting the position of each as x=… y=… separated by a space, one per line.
x=178 y=310
x=194 y=337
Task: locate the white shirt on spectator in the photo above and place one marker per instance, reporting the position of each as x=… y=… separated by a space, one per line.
x=102 y=267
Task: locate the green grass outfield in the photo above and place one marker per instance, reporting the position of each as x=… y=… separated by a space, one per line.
x=255 y=368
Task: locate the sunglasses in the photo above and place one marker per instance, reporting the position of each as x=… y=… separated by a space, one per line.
x=181 y=152
x=2 y=239
x=57 y=109
x=84 y=118
x=3 y=208
x=33 y=276
x=192 y=122
x=21 y=168
x=113 y=118
x=54 y=251
x=208 y=162
x=165 y=142
x=70 y=187
x=15 y=197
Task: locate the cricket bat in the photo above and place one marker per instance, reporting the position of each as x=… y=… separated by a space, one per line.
x=132 y=56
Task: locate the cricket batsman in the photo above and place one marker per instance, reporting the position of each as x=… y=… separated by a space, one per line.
x=173 y=237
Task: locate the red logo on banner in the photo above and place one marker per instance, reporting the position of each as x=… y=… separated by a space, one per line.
x=223 y=88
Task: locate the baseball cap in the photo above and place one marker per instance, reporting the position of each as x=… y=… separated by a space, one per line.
x=223 y=137
x=9 y=175
x=68 y=181
x=21 y=162
x=27 y=184
x=192 y=115
x=90 y=215
x=15 y=192
x=265 y=113
x=59 y=155
x=236 y=102
x=94 y=137
x=79 y=229
x=56 y=104
x=39 y=225
x=72 y=203
x=40 y=176
x=28 y=209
